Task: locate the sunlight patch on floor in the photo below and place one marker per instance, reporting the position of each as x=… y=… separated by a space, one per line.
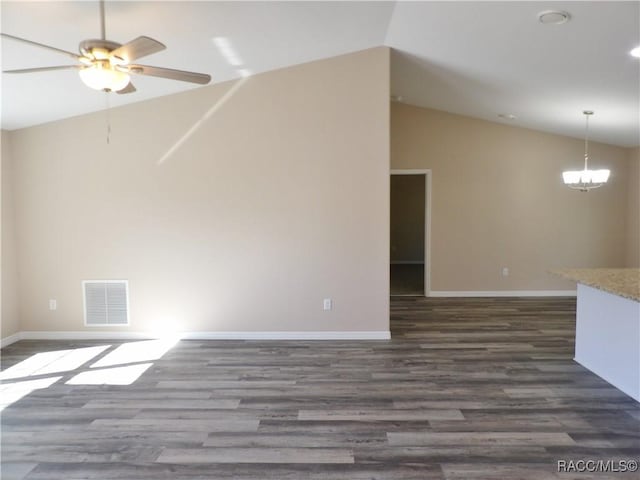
x=122 y=366
x=14 y=391
x=134 y=352
x=52 y=362
x=110 y=376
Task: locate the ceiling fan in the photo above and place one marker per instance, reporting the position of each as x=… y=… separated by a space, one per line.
x=106 y=65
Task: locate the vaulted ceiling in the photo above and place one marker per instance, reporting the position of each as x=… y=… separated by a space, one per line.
x=481 y=59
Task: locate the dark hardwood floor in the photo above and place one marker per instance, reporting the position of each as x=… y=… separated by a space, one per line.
x=467 y=389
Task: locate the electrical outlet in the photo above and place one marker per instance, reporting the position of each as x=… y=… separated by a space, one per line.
x=327 y=304
x=505 y=271
x=53 y=304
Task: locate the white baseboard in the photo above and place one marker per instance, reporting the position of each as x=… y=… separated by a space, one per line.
x=356 y=335
x=88 y=335
x=11 y=339
x=503 y=293
x=93 y=335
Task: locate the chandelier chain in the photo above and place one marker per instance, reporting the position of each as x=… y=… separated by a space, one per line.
x=586 y=143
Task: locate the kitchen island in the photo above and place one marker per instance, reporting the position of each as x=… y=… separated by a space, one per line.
x=608 y=324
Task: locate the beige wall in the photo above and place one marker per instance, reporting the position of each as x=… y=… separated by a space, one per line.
x=498 y=201
x=9 y=321
x=278 y=199
x=407 y=218
x=633 y=209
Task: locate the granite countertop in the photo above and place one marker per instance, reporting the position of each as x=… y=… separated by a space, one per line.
x=624 y=282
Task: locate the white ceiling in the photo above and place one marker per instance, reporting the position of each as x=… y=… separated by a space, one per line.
x=473 y=58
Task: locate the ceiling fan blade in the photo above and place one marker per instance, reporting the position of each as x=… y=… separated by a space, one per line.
x=128 y=89
x=138 y=48
x=193 y=77
x=41 y=45
x=43 y=69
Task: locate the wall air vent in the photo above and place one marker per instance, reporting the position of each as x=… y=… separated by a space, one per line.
x=106 y=302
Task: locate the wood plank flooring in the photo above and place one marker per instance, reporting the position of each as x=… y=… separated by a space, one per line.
x=467 y=389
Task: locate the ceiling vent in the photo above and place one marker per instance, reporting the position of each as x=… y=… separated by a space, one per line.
x=106 y=302
x=554 y=17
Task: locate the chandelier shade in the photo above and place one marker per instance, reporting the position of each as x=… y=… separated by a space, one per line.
x=585 y=177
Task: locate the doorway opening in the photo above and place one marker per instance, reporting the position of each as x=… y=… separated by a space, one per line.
x=410 y=232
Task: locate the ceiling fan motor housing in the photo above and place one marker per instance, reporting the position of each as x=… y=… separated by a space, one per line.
x=98 y=49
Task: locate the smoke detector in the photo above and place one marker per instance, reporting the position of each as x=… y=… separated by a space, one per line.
x=554 y=17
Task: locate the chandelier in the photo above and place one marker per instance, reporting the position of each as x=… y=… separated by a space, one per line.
x=585 y=180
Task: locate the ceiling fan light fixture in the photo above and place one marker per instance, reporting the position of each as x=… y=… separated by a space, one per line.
x=101 y=76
